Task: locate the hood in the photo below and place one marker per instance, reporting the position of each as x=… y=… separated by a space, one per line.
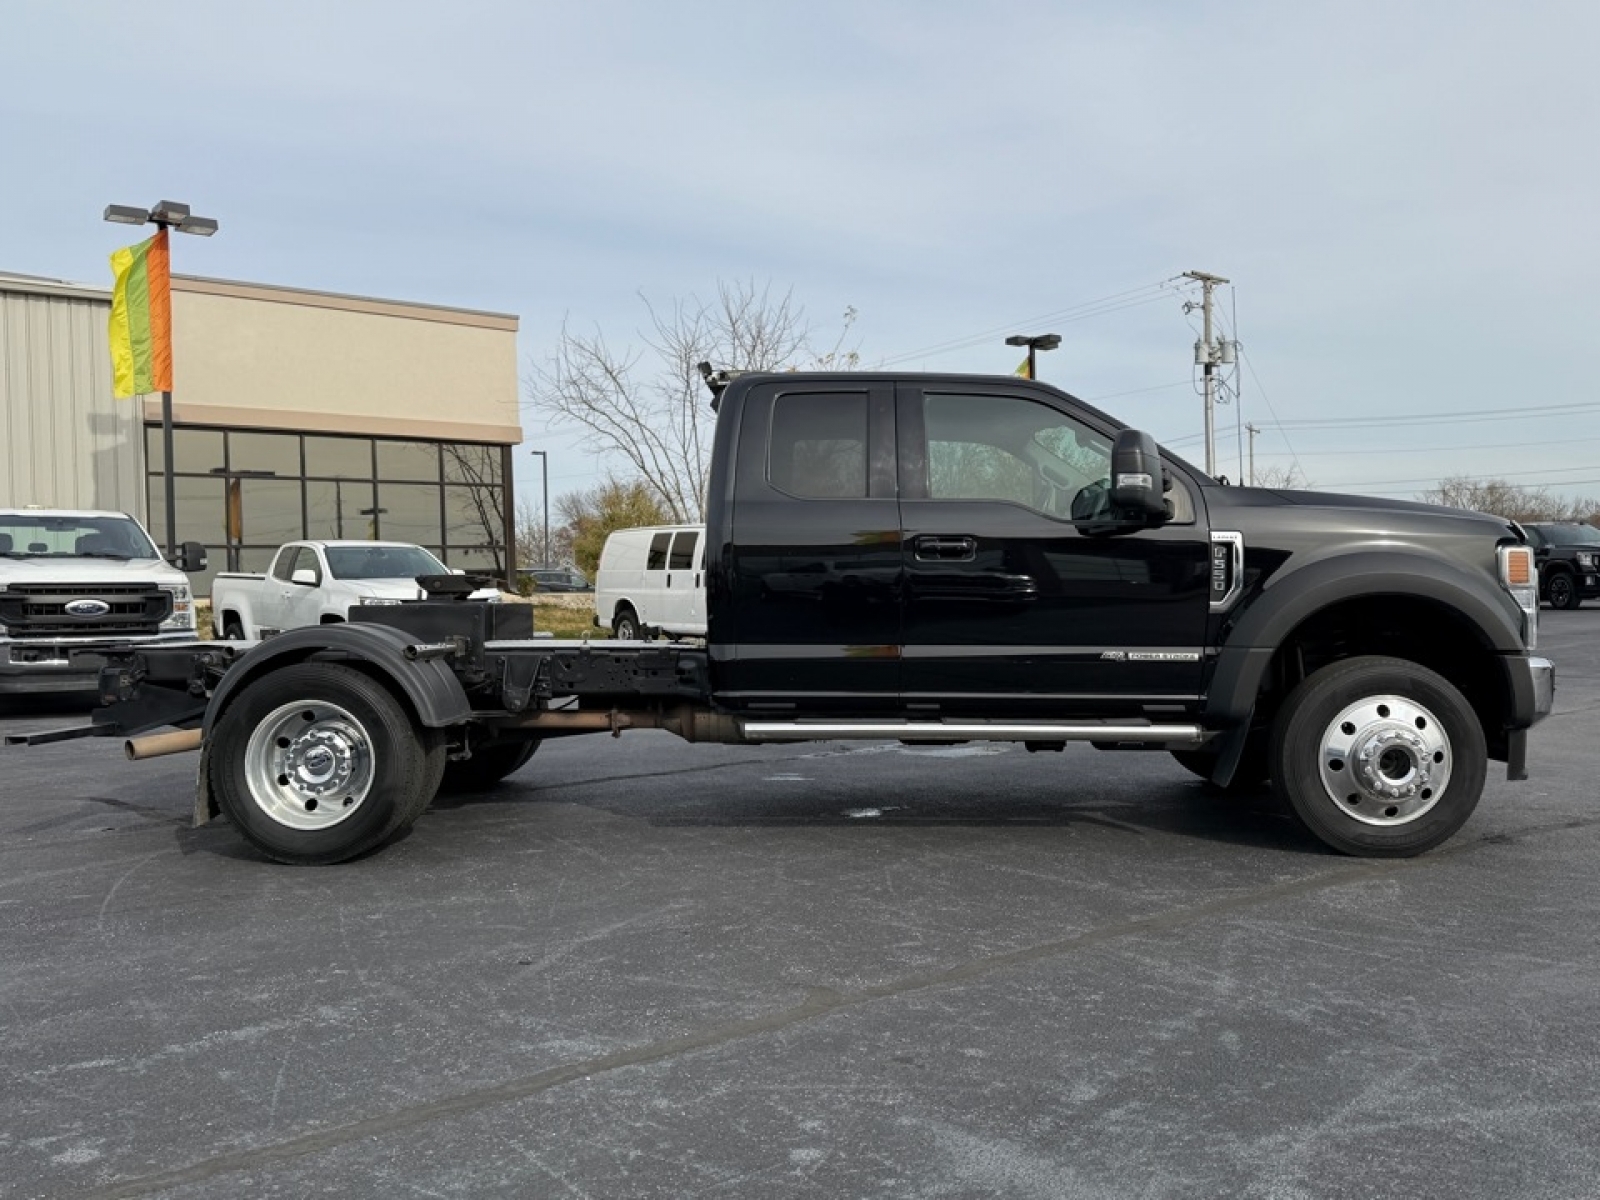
x=1406 y=512
x=403 y=589
x=385 y=589
x=89 y=570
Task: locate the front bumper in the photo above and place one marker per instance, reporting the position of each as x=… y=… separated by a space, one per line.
x=1533 y=695
x=28 y=667
x=1543 y=673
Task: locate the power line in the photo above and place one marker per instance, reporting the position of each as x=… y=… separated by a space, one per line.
x=1471 y=415
x=1433 y=450
x=1116 y=302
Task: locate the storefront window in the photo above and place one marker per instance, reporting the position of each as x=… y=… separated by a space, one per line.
x=194 y=451
x=275 y=452
x=269 y=510
x=350 y=457
x=410 y=512
x=473 y=516
x=408 y=460
x=242 y=493
x=467 y=463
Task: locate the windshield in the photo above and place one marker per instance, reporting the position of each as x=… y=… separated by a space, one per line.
x=382 y=562
x=40 y=535
x=1571 y=535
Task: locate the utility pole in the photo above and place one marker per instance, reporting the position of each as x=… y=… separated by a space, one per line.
x=1252 y=430
x=1206 y=356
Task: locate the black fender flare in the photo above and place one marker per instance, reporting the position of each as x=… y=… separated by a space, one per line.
x=436 y=695
x=431 y=687
x=1290 y=598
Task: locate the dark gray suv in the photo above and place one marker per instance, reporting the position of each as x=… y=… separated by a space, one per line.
x=556 y=579
x=1568 y=555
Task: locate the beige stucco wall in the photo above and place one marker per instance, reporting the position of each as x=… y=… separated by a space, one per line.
x=246 y=355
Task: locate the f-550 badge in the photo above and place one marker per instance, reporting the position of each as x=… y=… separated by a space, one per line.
x=1150 y=656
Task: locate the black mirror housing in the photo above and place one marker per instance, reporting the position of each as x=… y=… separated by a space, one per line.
x=191 y=557
x=1138 y=480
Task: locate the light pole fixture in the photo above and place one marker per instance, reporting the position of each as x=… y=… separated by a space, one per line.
x=544 y=476
x=1034 y=343
x=168 y=214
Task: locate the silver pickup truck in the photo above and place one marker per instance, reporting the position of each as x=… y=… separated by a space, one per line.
x=75 y=580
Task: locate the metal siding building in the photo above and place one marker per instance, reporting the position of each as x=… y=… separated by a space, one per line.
x=64 y=442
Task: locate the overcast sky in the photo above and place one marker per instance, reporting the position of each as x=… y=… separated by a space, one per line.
x=1403 y=194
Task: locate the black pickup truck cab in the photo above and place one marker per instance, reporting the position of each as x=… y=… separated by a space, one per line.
x=1568 y=557
x=938 y=559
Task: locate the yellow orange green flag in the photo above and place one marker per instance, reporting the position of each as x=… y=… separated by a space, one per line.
x=141 y=319
x=1023 y=370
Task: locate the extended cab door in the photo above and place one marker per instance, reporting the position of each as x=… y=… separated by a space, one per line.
x=811 y=613
x=302 y=604
x=1020 y=592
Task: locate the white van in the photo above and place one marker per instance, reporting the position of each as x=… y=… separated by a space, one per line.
x=653 y=581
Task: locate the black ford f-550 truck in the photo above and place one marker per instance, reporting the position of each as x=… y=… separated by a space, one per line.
x=927 y=558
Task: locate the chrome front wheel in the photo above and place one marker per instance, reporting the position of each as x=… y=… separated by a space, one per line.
x=1378 y=756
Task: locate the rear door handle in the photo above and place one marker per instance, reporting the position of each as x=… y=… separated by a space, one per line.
x=944 y=549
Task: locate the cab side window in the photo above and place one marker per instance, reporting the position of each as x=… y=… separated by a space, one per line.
x=818 y=445
x=1013 y=449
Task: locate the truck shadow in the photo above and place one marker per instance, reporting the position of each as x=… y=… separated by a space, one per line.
x=1184 y=808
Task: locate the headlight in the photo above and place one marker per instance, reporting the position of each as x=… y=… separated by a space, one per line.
x=1517 y=576
x=1585 y=560
x=182 y=607
x=370 y=600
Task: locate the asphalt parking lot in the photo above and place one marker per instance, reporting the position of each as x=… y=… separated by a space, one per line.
x=641 y=968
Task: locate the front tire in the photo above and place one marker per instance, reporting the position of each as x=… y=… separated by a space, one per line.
x=1378 y=757
x=1563 y=591
x=316 y=763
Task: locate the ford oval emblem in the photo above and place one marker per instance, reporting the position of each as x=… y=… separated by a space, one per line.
x=87 y=608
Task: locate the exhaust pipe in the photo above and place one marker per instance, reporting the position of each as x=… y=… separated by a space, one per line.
x=154 y=745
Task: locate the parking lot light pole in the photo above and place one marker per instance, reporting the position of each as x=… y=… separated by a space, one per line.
x=167 y=214
x=1043 y=341
x=544 y=476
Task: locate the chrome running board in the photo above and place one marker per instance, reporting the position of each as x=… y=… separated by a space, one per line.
x=973 y=731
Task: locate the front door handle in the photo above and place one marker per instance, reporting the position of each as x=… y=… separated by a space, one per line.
x=944 y=549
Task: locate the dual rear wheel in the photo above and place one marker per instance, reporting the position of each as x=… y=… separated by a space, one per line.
x=318 y=763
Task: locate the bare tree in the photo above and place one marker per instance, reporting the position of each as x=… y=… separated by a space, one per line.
x=649 y=407
x=1513 y=501
x=531 y=548
x=1283 y=479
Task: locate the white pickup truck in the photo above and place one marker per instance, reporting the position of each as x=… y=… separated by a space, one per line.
x=75 y=580
x=318 y=583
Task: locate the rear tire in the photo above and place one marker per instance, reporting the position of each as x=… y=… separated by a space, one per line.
x=1563 y=591
x=316 y=763
x=626 y=627
x=232 y=630
x=490 y=763
x=1378 y=757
